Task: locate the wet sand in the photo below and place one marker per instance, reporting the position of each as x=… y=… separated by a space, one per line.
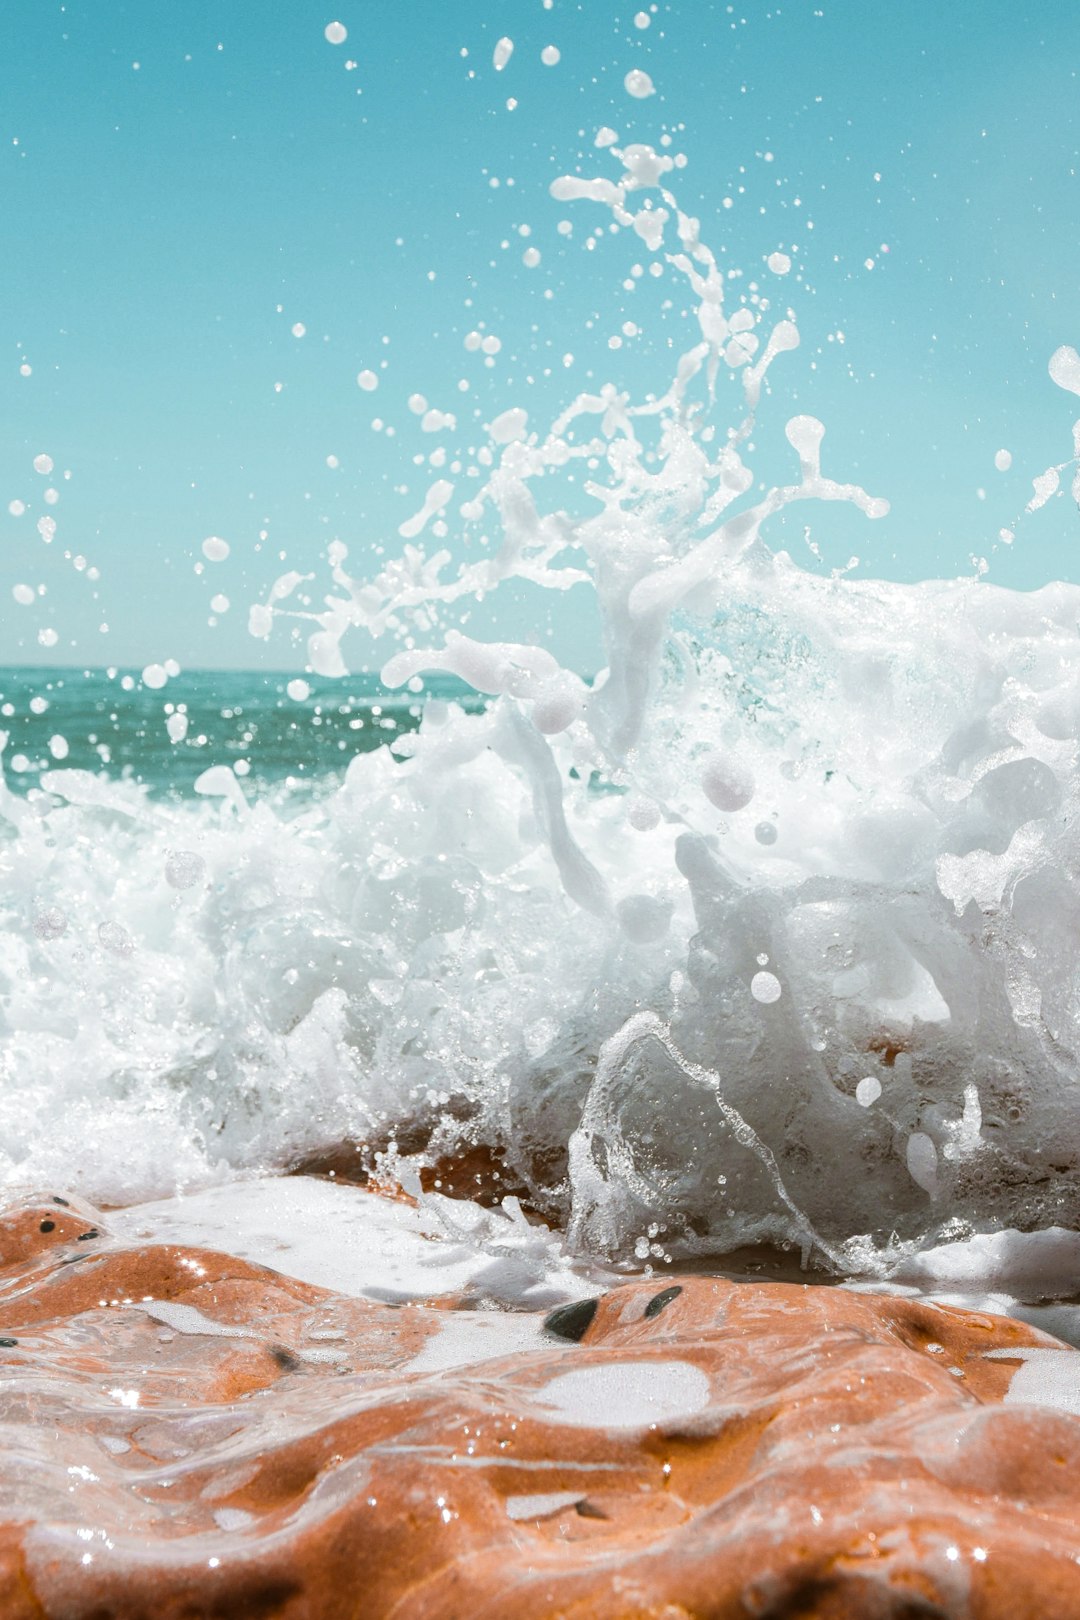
x=186 y=1433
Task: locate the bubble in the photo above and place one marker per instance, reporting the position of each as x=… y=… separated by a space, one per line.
x=765 y=987
x=58 y=746
x=49 y=922
x=1065 y=371
x=550 y=55
x=868 y=1091
x=727 y=783
x=154 y=676
x=183 y=869
x=642 y=814
x=335 y=33
x=765 y=832
x=298 y=690
x=921 y=1156
x=114 y=938
x=367 y=380
x=23 y=594
x=638 y=84
x=214 y=549
x=43 y=464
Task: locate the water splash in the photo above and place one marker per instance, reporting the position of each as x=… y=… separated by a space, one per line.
x=763 y=934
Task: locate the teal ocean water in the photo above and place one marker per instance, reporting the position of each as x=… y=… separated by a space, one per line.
x=109 y=721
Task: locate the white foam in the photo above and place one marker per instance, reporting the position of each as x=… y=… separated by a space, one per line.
x=542 y=1506
x=1026 y=1265
x=467 y=1338
x=1045 y=1378
x=625 y=1395
x=345 y=1239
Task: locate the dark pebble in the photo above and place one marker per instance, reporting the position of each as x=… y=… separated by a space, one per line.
x=47 y=1226
x=589 y=1510
x=285 y=1358
x=572 y=1321
x=658 y=1301
x=93 y=1233
x=8 y=1344
x=56 y=1198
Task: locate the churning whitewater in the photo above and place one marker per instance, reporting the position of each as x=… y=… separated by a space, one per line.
x=763 y=934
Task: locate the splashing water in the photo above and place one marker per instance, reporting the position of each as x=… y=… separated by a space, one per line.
x=762 y=935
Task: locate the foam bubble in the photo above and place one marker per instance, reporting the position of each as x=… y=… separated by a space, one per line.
x=114 y=938
x=638 y=84
x=1065 y=368
x=184 y=869
x=765 y=987
x=727 y=782
x=49 y=922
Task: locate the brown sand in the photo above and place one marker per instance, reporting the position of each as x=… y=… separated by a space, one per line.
x=273 y=1456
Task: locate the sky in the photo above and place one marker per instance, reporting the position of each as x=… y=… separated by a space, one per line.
x=215 y=219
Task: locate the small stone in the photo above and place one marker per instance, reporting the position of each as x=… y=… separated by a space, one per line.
x=660 y=1300
x=572 y=1321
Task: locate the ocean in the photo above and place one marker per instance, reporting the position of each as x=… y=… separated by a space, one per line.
x=109 y=721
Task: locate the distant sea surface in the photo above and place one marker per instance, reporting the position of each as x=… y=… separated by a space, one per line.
x=110 y=721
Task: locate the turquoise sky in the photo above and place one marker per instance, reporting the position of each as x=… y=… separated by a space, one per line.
x=185 y=182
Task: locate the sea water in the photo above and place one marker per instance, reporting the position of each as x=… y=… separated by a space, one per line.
x=760 y=934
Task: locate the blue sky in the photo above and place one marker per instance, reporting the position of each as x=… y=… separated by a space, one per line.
x=166 y=225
